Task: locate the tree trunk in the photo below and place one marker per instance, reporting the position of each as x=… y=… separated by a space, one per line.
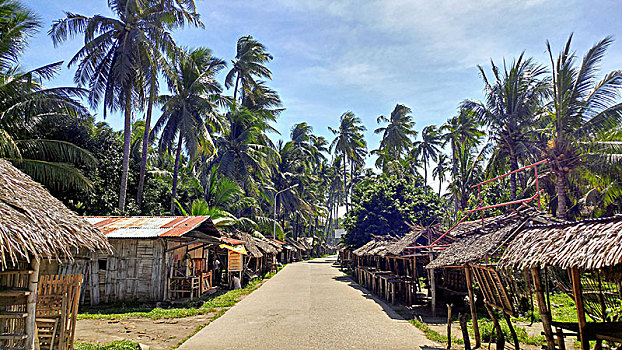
x=440 y=185
x=143 y=162
x=176 y=174
x=235 y=90
x=513 y=166
x=127 y=130
x=425 y=177
x=345 y=187
x=560 y=188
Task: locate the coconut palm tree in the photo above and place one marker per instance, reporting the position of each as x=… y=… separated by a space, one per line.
x=581 y=111
x=513 y=103
x=428 y=148
x=349 y=142
x=251 y=55
x=112 y=57
x=25 y=101
x=181 y=11
x=461 y=130
x=442 y=166
x=396 y=136
x=190 y=111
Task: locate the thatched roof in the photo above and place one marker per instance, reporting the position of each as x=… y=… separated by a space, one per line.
x=266 y=247
x=475 y=241
x=249 y=243
x=418 y=237
x=589 y=244
x=374 y=247
x=34 y=223
x=296 y=244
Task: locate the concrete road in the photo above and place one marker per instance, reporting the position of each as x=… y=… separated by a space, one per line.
x=310 y=305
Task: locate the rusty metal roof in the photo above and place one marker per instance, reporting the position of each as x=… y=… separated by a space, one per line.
x=149 y=226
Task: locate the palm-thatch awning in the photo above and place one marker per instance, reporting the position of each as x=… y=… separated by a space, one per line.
x=249 y=242
x=588 y=245
x=476 y=241
x=375 y=247
x=35 y=224
x=419 y=236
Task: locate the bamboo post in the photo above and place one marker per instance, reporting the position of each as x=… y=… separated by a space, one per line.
x=449 y=307
x=545 y=313
x=31 y=304
x=578 y=297
x=469 y=281
x=465 y=331
x=433 y=291
x=512 y=331
x=500 y=338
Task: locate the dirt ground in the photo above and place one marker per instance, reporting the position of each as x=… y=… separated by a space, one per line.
x=157 y=334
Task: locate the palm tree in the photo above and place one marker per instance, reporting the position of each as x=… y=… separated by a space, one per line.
x=249 y=62
x=513 y=101
x=190 y=111
x=349 y=142
x=25 y=101
x=396 y=136
x=428 y=149
x=181 y=11
x=461 y=130
x=111 y=59
x=442 y=166
x=581 y=110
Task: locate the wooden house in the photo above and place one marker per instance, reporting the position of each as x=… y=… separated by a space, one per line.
x=584 y=260
x=36 y=228
x=153 y=259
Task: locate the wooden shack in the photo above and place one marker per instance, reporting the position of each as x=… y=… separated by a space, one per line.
x=589 y=255
x=153 y=259
x=35 y=228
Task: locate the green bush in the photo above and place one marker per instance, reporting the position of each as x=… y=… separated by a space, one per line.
x=117 y=345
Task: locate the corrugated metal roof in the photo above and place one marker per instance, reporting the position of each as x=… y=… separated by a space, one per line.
x=146 y=226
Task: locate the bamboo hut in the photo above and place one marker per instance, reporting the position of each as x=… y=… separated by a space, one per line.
x=472 y=257
x=588 y=254
x=155 y=259
x=34 y=227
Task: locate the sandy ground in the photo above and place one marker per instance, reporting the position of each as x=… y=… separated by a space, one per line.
x=310 y=305
x=158 y=334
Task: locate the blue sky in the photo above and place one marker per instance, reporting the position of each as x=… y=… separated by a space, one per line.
x=332 y=56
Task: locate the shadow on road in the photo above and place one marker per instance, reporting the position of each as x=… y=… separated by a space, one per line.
x=367 y=294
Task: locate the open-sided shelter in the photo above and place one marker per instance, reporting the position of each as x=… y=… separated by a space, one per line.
x=35 y=228
x=584 y=259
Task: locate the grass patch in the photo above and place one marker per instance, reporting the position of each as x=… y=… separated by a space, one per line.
x=195 y=307
x=117 y=345
x=434 y=335
x=486 y=330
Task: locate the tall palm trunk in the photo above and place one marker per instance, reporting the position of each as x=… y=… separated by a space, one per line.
x=440 y=185
x=425 y=176
x=560 y=188
x=127 y=130
x=143 y=162
x=235 y=90
x=345 y=186
x=513 y=166
x=176 y=174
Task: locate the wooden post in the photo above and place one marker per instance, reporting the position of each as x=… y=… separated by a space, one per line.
x=449 y=307
x=433 y=291
x=512 y=331
x=465 y=331
x=545 y=313
x=469 y=281
x=31 y=304
x=578 y=298
x=500 y=338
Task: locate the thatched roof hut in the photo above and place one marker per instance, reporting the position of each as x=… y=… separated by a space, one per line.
x=475 y=241
x=419 y=236
x=249 y=243
x=35 y=224
x=590 y=244
x=374 y=247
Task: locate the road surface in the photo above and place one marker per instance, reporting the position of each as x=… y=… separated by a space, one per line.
x=310 y=305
